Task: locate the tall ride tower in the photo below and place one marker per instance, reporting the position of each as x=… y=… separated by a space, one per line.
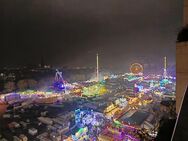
x=165 y=70
x=97 y=74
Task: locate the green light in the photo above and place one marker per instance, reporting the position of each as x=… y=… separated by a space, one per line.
x=97 y=89
x=80 y=131
x=117 y=123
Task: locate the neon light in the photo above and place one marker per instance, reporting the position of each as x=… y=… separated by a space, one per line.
x=94 y=90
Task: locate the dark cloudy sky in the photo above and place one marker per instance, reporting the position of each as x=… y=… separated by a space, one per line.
x=70 y=32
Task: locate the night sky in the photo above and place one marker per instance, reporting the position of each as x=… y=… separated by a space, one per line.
x=71 y=32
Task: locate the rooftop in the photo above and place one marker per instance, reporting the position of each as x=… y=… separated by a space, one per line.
x=137 y=118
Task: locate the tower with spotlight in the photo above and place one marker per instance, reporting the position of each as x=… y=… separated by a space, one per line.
x=97 y=71
x=165 y=68
x=165 y=79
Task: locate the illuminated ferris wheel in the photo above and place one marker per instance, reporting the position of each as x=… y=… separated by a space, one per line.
x=136 y=68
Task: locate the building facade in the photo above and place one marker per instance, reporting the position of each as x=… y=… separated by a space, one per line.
x=182 y=60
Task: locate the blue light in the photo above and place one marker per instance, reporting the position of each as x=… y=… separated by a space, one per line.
x=59 y=86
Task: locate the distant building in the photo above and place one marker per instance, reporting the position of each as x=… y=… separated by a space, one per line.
x=6 y=115
x=103 y=137
x=182 y=59
x=15 y=138
x=3 y=139
x=33 y=131
x=55 y=136
x=13 y=125
x=23 y=137
x=136 y=119
x=44 y=137
x=46 y=120
x=24 y=124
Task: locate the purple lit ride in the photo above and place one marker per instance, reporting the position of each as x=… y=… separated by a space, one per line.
x=59 y=83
